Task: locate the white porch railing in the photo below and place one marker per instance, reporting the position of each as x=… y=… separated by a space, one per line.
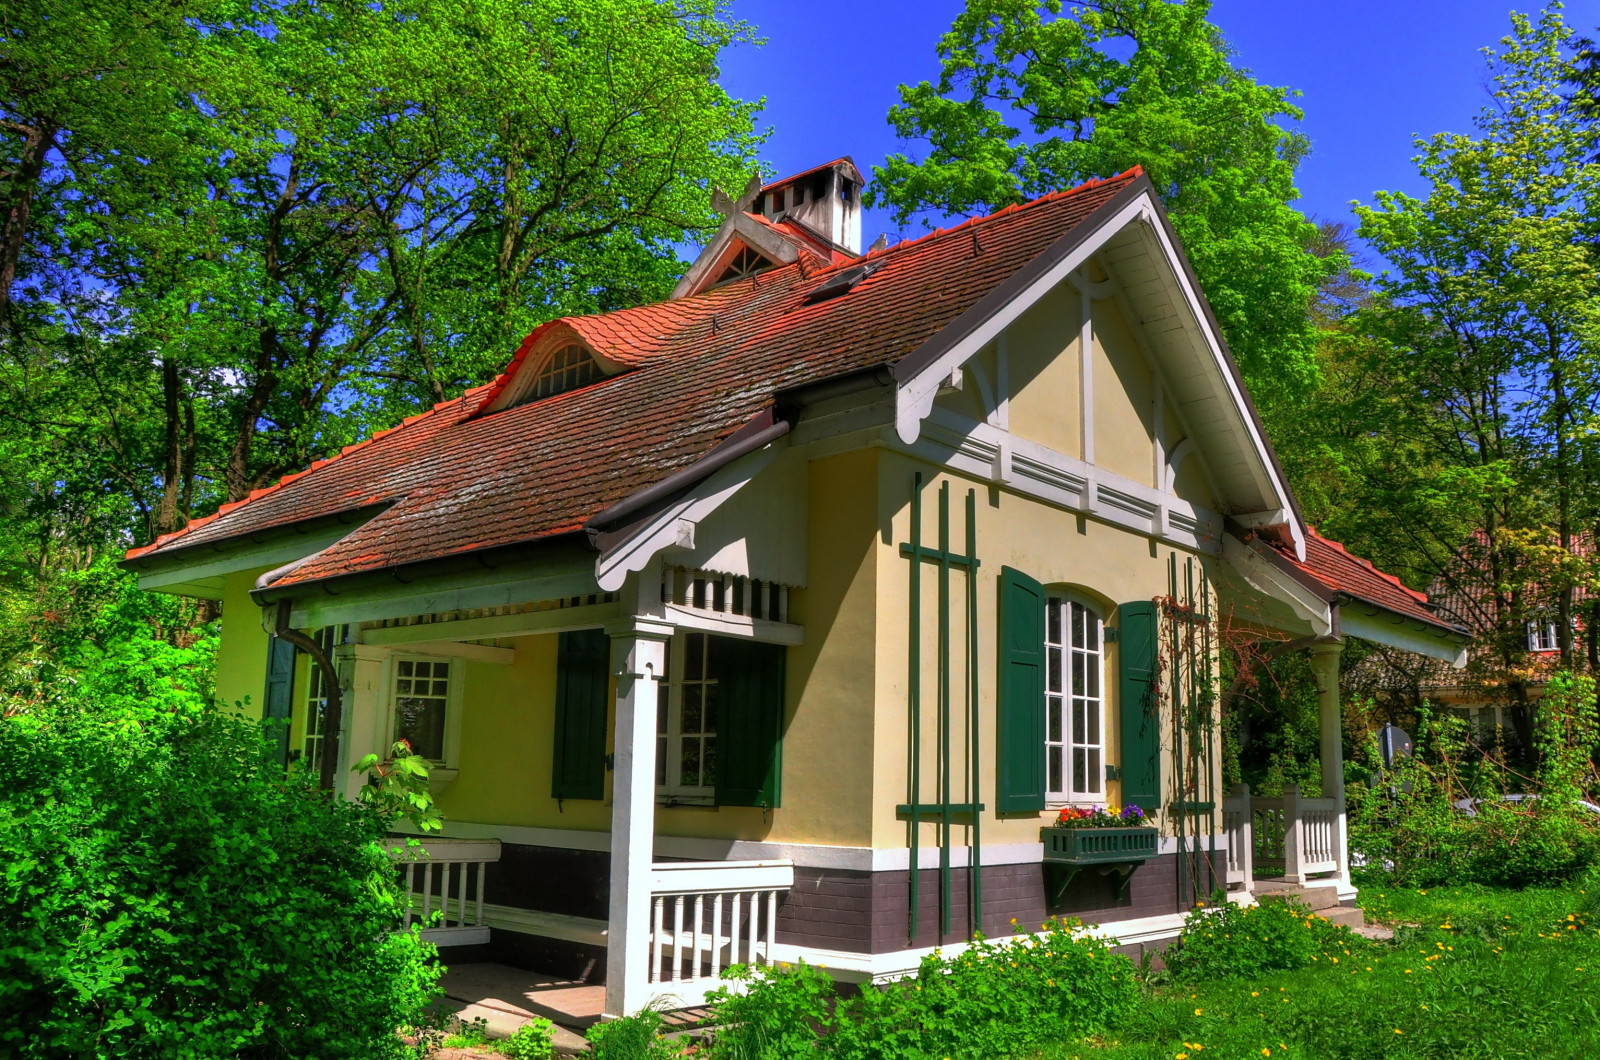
x=1298 y=835
x=446 y=876
x=1236 y=827
x=707 y=916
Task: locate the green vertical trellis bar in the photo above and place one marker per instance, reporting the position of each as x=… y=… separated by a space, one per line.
x=914 y=695
x=944 y=708
x=974 y=855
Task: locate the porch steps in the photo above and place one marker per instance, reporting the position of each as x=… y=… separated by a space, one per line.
x=1321 y=898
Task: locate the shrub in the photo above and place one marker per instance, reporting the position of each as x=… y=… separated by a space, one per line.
x=1408 y=831
x=991 y=999
x=534 y=1040
x=168 y=892
x=1277 y=935
x=636 y=1037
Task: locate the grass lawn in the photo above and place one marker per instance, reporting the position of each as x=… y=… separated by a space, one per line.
x=1488 y=973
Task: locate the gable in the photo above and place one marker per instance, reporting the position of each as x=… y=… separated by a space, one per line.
x=555 y=362
x=1148 y=331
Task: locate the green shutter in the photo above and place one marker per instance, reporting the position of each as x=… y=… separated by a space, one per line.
x=749 y=723
x=583 y=667
x=1141 y=716
x=1020 y=772
x=278 y=701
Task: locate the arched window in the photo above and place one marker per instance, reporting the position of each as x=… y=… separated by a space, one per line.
x=1074 y=700
x=567 y=369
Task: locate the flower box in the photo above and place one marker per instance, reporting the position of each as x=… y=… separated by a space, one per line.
x=1097 y=846
x=1118 y=851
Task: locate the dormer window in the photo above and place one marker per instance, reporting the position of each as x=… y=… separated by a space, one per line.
x=568 y=368
x=745 y=263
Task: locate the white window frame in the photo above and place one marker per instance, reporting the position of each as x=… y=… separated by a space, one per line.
x=1542 y=637
x=1062 y=693
x=669 y=743
x=315 y=704
x=454 y=676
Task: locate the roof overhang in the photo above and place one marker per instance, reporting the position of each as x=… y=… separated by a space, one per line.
x=1135 y=240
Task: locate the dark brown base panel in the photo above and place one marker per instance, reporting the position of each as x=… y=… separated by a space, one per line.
x=831 y=909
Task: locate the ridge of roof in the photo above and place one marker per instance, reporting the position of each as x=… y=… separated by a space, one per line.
x=1127 y=175
x=315 y=465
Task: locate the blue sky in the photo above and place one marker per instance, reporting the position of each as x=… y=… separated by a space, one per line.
x=1372 y=74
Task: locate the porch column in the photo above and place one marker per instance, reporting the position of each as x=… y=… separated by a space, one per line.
x=638 y=659
x=1325 y=667
x=363 y=724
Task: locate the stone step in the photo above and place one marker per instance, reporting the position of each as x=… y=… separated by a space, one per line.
x=1318 y=896
x=1348 y=915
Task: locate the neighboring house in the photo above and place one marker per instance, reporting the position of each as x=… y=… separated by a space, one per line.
x=752 y=623
x=1515 y=622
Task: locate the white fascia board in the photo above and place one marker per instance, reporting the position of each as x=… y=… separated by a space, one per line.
x=1268 y=580
x=248 y=557
x=458 y=592
x=1384 y=627
x=914 y=396
x=675 y=524
x=1213 y=344
x=521 y=624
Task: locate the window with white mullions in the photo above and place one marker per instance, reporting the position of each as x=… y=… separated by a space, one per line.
x=421 y=700
x=686 y=727
x=316 y=702
x=1074 y=701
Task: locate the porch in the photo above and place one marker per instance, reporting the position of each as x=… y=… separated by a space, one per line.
x=704 y=917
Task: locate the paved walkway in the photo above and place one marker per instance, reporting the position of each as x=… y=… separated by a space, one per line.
x=505 y=998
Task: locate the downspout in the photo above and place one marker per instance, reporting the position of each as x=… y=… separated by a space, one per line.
x=275 y=620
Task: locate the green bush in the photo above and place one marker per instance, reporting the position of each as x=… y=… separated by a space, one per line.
x=168 y=892
x=1277 y=935
x=991 y=999
x=1406 y=828
x=534 y=1040
x=636 y=1037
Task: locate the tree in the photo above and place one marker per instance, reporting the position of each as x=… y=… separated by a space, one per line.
x=1035 y=97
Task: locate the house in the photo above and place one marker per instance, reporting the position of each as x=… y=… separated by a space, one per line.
x=775 y=621
x=1500 y=590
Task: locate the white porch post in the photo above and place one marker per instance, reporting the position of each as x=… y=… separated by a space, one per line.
x=638 y=657
x=1325 y=667
x=362 y=724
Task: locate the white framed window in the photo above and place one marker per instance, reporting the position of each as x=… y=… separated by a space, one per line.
x=1074 y=701
x=1542 y=637
x=568 y=368
x=422 y=696
x=686 y=724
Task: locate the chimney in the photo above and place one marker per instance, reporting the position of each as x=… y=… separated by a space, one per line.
x=826 y=200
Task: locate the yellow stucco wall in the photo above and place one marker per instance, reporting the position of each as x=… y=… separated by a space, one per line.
x=1124 y=399
x=1042 y=367
x=242 y=651
x=1104 y=563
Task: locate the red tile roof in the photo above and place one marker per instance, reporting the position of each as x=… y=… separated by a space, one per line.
x=699 y=368
x=1336 y=568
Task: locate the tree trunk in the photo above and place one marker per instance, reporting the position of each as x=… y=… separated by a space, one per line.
x=21 y=187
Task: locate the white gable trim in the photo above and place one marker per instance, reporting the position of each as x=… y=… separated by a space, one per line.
x=740 y=228
x=914 y=396
x=674 y=526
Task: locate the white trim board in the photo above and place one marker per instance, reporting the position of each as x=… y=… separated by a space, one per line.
x=804 y=855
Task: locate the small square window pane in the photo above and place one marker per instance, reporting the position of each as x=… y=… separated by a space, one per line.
x=1077 y=626
x=1078 y=668
x=1053 y=673
x=1091 y=775
x=1054 y=613
x=1080 y=770
x=691 y=708
x=1091 y=677
x=1079 y=723
x=406 y=667
x=1091 y=722
x=1091 y=628
x=708 y=722
x=708 y=762
x=1053 y=709
x=694 y=657
x=402 y=687
x=1054 y=760
x=689 y=762
x=420 y=722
